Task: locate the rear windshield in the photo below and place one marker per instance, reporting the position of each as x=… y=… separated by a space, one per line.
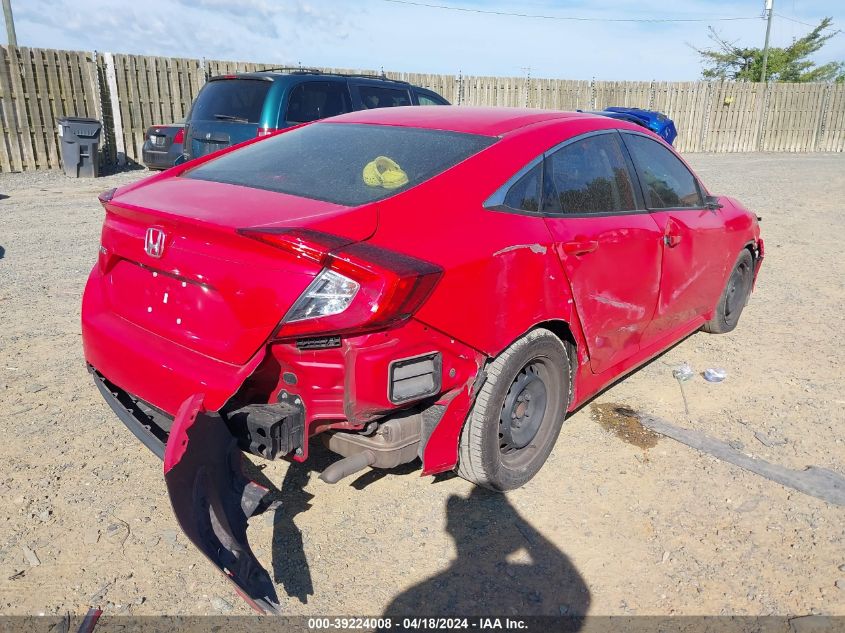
x=239 y=100
x=343 y=163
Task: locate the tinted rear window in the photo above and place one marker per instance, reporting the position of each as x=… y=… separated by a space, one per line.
x=314 y=100
x=380 y=97
x=346 y=164
x=230 y=99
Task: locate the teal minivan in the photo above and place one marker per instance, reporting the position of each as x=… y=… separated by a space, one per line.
x=234 y=108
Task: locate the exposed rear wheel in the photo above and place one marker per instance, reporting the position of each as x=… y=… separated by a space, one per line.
x=734 y=297
x=518 y=413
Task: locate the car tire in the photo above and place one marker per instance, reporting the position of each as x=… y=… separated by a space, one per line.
x=518 y=413
x=734 y=296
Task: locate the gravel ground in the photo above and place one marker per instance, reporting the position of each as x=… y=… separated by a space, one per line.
x=611 y=525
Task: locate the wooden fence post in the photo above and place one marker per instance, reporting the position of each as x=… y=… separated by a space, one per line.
x=705 y=120
x=117 y=120
x=820 y=128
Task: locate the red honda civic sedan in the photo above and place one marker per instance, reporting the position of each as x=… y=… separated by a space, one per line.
x=440 y=283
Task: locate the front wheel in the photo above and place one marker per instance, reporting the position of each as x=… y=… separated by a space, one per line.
x=518 y=413
x=734 y=297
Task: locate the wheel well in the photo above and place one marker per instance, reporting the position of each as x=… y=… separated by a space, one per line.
x=562 y=330
x=751 y=247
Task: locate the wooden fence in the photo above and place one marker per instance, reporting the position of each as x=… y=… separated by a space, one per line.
x=128 y=93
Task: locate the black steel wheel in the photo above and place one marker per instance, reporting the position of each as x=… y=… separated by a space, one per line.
x=518 y=413
x=523 y=409
x=734 y=297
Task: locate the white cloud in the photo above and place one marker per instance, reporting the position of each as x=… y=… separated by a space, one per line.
x=374 y=34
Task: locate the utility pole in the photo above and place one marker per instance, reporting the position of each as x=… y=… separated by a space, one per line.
x=769 y=11
x=10 y=22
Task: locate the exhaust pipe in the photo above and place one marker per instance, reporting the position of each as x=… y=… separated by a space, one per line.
x=348 y=466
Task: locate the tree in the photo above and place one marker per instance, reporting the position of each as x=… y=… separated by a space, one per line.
x=728 y=61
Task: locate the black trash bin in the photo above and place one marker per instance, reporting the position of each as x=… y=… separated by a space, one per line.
x=80 y=140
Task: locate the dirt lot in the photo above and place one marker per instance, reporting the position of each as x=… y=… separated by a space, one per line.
x=607 y=527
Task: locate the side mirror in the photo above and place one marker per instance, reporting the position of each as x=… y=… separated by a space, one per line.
x=712 y=203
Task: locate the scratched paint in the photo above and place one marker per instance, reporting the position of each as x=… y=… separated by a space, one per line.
x=635 y=310
x=539 y=249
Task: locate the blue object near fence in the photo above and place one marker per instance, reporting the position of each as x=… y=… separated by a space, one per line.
x=655 y=121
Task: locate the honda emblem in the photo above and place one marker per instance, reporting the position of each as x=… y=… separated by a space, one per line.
x=154 y=242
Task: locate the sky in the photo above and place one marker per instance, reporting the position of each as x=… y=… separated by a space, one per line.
x=376 y=34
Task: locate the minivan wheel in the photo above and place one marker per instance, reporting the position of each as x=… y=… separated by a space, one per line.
x=518 y=413
x=734 y=296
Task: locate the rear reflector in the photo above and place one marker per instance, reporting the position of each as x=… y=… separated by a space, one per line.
x=415 y=378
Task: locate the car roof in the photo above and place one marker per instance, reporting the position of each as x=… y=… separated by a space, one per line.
x=466 y=119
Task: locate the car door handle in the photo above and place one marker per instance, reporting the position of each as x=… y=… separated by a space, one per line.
x=672 y=240
x=580 y=247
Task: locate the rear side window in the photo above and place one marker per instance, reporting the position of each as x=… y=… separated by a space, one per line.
x=343 y=163
x=238 y=100
x=314 y=100
x=589 y=176
x=666 y=181
x=524 y=194
x=429 y=100
x=380 y=97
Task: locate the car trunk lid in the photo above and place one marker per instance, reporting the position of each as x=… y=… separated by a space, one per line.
x=161 y=136
x=175 y=265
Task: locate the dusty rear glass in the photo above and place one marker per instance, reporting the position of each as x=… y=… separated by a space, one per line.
x=343 y=163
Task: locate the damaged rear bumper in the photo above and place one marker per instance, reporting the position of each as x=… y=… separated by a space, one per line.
x=211 y=497
x=213 y=500
x=146 y=423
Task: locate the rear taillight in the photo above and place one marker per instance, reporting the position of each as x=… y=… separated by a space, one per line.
x=361 y=288
x=265 y=131
x=180 y=136
x=330 y=293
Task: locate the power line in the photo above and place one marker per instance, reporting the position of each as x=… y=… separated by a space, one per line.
x=786 y=17
x=561 y=17
x=812 y=26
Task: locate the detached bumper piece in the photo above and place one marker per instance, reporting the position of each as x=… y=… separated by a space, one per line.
x=213 y=500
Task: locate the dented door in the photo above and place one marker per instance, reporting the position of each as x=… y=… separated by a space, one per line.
x=613 y=266
x=608 y=245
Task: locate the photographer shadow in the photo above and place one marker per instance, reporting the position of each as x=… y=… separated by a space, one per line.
x=503 y=567
x=290 y=565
